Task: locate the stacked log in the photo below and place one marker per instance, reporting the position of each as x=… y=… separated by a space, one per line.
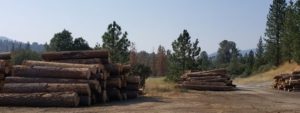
x=5 y=67
x=212 y=80
x=287 y=82
x=68 y=79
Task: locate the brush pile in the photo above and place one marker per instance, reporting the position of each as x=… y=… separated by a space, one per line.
x=288 y=82
x=213 y=80
x=66 y=79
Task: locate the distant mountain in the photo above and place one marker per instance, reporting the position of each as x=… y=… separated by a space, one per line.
x=4 y=38
x=7 y=44
x=243 y=52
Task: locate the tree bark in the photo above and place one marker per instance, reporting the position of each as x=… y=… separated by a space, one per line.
x=85 y=61
x=94 y=84
x=93 y=68
x=208 y=87
x=5 y=55
x=114 y=82
x=51 y=72
x=114 y=69
x=81 y=88
x=132 y=87
x=59 y=99
x=4 y=66
x=132 y=94
x=85 y=101
x=207 y=78
x=114 y=94
x=133 y=79
x=48 y=56
x=204 y=83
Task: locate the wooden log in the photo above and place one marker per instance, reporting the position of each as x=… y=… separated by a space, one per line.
x=85 y=101
x=205 y=83
x=51 y=72
x=225 y=80
x=94 y=84
x=114 y=94
x=102 y=97
x=205 y=75
x=81 y=88
x=132 y=87
x=114 y=82
x=216 y=71
x=5 y=55
x=86 y=61
x=132 y=94
x=103 y=84
x=58 y=99
x=296 y=72
x=48 y=56
x=208 y=87
x=133 y=79
x=208 y=78
x=126 y=68
x=93 y=68
x=114 y=69
x=4 y=67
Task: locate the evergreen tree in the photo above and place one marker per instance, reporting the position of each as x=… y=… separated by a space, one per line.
x=204 y=61
x=80 y=44
x=296 y=40
x=117 y=42
x=226 y=52
x=274 y=31
x=259 y=55
x=62 y=41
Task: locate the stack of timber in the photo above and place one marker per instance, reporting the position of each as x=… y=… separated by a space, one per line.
x=5 y=67
x=288 y=82
x=213 y=80
x=133 y=87
x=97 y=58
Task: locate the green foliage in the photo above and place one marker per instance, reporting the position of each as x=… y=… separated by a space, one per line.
x=204 y=61
x=184 y=57
x=274 y=31
x=227 y=52
x=117 y=42
x=141 y=70
x=296 y=34
x=24 y=54
x=63 y=41
x=259 y=55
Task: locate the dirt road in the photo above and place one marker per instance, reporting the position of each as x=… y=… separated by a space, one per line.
x=251 y=98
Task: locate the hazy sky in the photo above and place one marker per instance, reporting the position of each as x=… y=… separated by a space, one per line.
x=148 y=23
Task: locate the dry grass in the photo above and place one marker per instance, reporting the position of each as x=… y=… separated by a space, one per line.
x=268 y=76
x=159 y=87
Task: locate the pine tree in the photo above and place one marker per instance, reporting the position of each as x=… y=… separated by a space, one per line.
x=259 y=55
x=296 y=40
x=204 y=61
x=274 y=31
x=117 y=42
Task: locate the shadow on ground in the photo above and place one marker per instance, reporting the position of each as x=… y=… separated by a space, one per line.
x=142 y=99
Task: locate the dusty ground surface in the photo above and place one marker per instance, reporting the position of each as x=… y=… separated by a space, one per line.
x=258 y=98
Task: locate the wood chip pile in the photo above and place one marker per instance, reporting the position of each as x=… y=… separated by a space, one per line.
x=66 y=79
x=213 y=80
x=287 y=82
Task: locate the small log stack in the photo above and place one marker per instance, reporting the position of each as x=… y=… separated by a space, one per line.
x=287 y=82
x=5 y=67
x=213 y=80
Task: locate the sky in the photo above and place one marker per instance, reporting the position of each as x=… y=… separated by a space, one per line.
x=149 y=23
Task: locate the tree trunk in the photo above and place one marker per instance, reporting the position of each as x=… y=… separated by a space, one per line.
x=85 y=61
x=80 y=88
x=132 y=94
x=132 y=87
x=133 y=79
x=114 y=82
x=85 y=101
x=207 y=78
x=48 y=56
x=114 y=69
x=126 y=68
x=204 y=75
x=59 y=99
x=5 y=55
x=4 y=67
x=51 y=72
x=93 y=68
x=204 y=83
x=94 y=84
x=208 y=87
x=114 y=94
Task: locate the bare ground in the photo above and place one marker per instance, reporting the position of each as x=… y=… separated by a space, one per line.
x=250 y=98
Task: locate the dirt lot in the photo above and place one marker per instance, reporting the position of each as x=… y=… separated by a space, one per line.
x=250 y=98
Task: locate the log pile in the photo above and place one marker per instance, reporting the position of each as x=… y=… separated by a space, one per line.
x=287 y=82
x=213 y=80
x=69 y=79
x=5 y=67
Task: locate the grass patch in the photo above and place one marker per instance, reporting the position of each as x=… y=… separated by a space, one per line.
x=268 y=75
x=157 y=86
